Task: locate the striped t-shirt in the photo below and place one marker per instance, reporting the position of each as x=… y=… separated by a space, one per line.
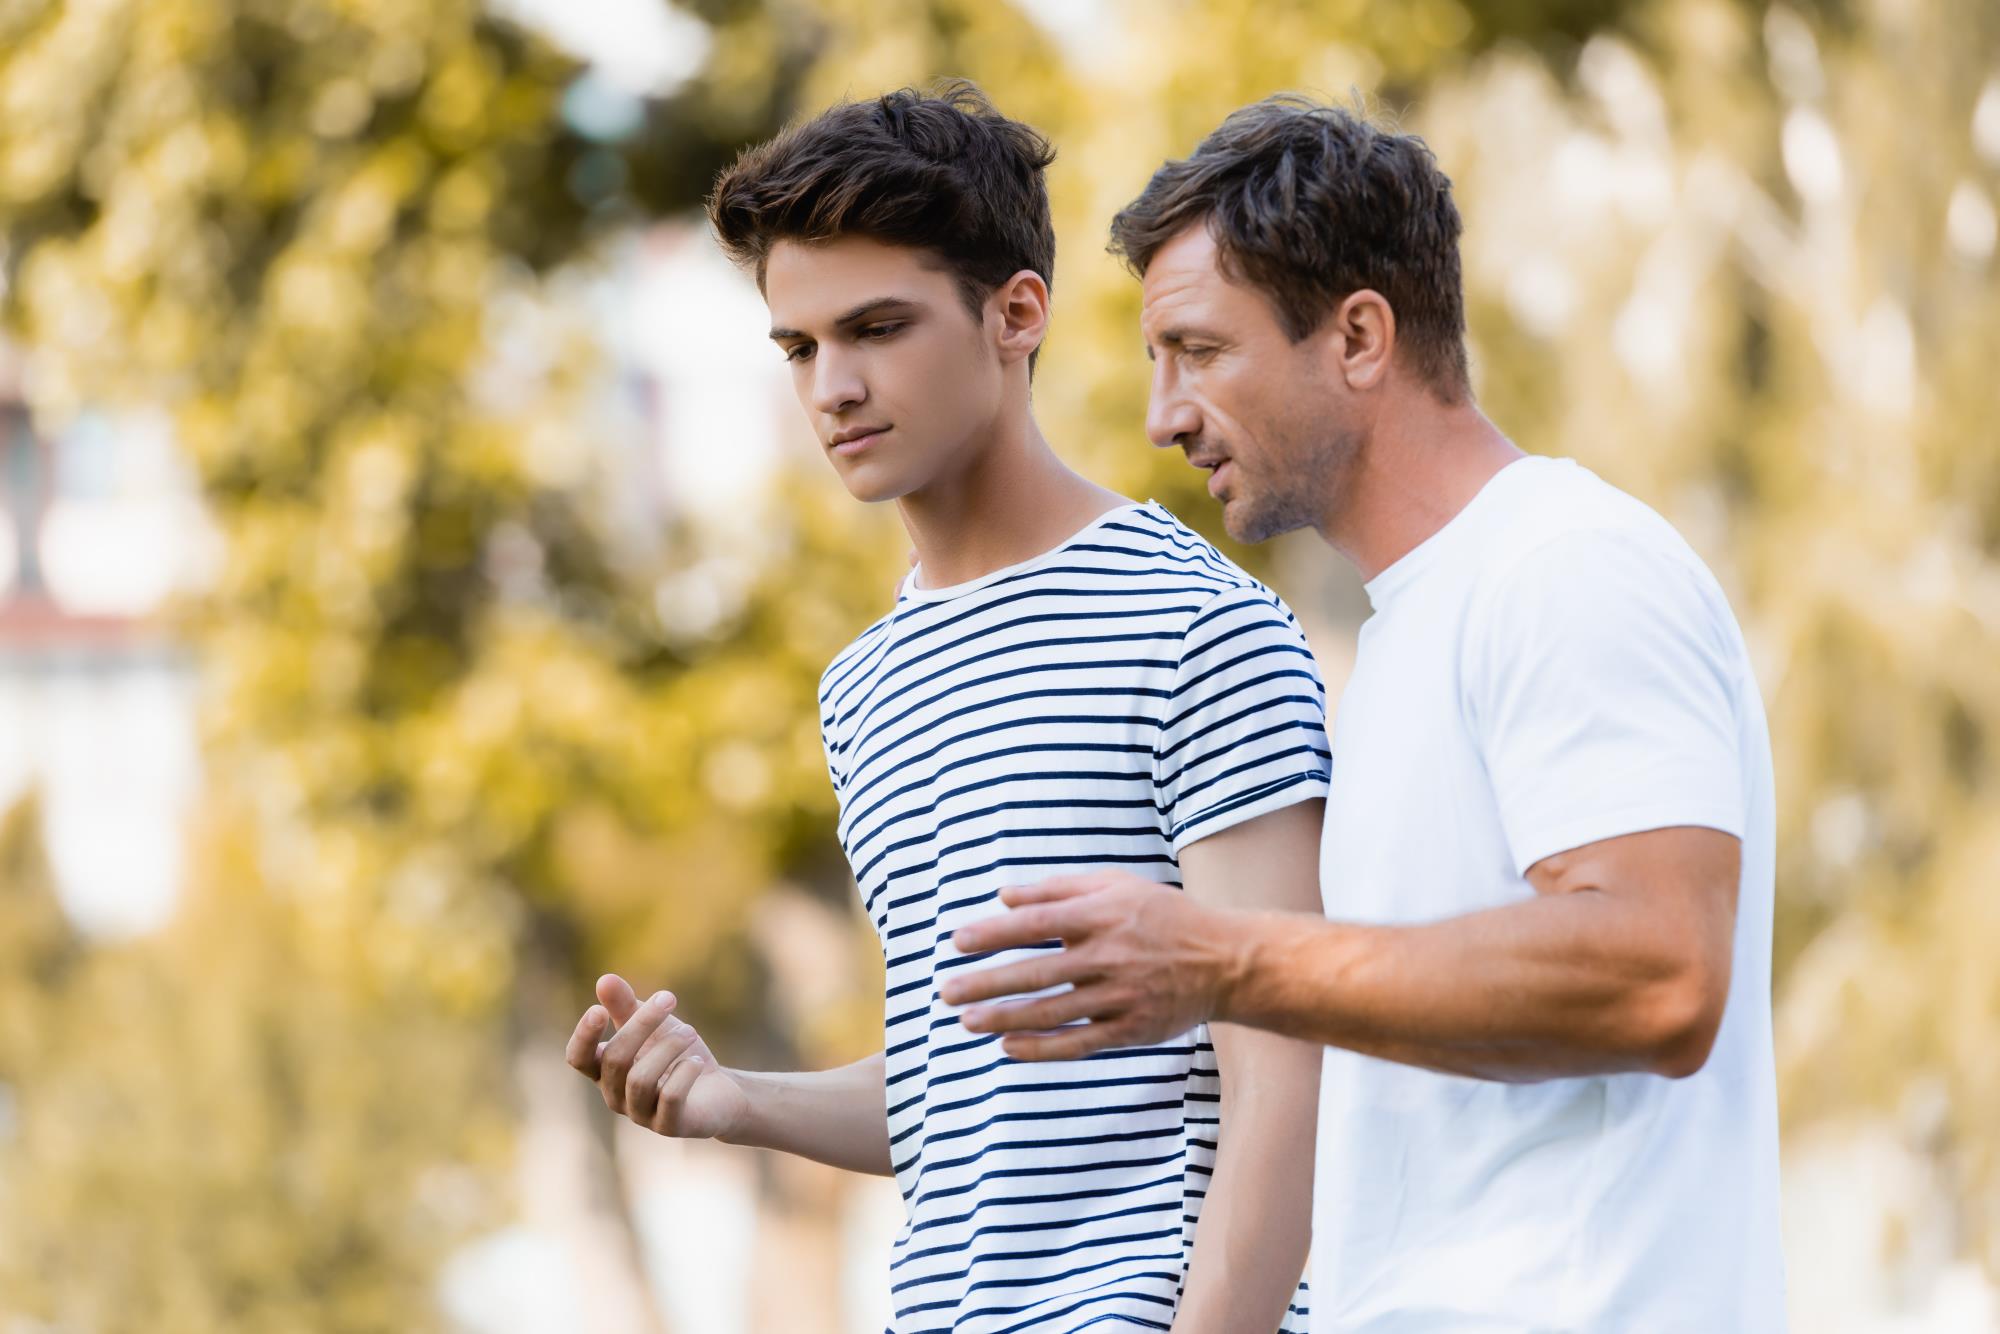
x=1103 y=704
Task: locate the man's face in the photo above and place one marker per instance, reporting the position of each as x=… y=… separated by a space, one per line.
x=896 y=376
x=1239 y=397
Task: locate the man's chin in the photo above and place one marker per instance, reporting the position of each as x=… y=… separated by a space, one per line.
x=1249 y=524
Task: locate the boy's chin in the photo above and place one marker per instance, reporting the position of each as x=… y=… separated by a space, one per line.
x=872 y=486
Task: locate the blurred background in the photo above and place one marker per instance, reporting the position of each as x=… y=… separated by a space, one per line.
x=414 y=574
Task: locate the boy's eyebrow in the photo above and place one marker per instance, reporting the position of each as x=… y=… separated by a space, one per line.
x=874 y=305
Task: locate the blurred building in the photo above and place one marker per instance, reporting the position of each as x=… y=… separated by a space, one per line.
x=99 y=528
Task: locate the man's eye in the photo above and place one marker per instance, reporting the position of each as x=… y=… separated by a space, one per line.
x=878 y=332
x=798 y=351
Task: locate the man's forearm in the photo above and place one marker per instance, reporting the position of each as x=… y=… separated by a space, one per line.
x=1256 y=1224
x=830 y=1116
x=1547 y=988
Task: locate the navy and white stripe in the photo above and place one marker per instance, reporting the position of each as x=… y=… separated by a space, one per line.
x=1105 y=704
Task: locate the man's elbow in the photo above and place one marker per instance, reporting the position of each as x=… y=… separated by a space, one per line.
x=1681 y=1018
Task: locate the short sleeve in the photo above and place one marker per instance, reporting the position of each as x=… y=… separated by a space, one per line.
x=1244 y=729
x=827 y=713
x=1602 y=680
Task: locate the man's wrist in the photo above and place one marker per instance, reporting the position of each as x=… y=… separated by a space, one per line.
x=1242 y=948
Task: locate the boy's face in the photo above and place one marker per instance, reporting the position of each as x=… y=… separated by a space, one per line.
x=897 y=378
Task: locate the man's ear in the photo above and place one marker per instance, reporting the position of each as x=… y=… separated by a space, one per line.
x=1022 y=304
x=1359 y=339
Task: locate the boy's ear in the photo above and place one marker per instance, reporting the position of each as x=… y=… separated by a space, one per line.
x=1022 y=303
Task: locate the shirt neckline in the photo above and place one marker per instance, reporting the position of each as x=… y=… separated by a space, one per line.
x=910 y=592
x=1412 y=563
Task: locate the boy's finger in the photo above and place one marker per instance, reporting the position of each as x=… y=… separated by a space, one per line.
x=673 y=1093
x=618 y=997
x=586 y=1043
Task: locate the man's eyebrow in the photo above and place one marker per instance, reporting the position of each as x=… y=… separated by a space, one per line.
x=1173 y=336
x=874 y=305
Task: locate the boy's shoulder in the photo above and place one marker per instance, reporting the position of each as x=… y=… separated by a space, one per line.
x=1143 y=539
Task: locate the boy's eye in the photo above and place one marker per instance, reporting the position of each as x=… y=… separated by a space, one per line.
x=798 y=351
x=879 y=331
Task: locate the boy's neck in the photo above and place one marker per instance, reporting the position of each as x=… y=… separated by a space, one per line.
x=1014 y=501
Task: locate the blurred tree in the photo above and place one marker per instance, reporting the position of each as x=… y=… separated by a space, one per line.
x=464 y=765
x=460 y=761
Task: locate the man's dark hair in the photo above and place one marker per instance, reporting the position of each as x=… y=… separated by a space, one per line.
x=941 y=171
x=1309 y=204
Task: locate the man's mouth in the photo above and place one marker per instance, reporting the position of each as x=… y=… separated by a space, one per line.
x=1215 y=465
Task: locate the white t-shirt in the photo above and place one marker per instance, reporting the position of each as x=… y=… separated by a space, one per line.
x=1551 y=668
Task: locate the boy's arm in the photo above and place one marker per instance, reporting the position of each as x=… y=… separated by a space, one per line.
x=831 y=1116
x=1256 y=1223
x=653 y=1068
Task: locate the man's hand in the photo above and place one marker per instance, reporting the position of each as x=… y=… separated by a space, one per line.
x=651 y=1067
x=1144 y=960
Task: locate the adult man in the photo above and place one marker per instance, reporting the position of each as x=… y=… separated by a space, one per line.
x=1548 y=1096
x=1068 y=680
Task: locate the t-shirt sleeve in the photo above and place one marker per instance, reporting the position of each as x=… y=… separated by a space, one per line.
x=1244 y=730
x=826 y=717
x=1602 y=681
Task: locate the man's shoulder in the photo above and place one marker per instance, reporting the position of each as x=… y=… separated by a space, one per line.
x=1583 y=562
x=1571 y=521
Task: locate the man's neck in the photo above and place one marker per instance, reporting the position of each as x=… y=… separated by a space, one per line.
x=1014 y=501
x=1419 y=468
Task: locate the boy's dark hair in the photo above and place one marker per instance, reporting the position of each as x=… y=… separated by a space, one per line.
x=941 y=171
x=1309 y=204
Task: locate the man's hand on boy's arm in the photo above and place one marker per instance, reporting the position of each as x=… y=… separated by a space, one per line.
x=1256 y=1223
x=1619 y=962
x=652 y=1067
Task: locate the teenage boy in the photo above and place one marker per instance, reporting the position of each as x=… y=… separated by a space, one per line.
x=1068 y=681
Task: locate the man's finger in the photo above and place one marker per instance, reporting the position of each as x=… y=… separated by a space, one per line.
x=582 y=1050
x=1040 y=1014
x=617 y=996
x=1071 y=1044
x=1017 y=926
x=1056 y=887
x=1014 y=979
x=673 y=1094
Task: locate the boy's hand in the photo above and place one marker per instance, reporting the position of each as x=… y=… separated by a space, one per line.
x=651 y=1067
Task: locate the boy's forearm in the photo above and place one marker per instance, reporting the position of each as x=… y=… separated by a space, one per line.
x=835 y=1116
x=1256 y=1223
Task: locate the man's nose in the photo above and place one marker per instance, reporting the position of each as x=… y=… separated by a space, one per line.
x=1170 y=418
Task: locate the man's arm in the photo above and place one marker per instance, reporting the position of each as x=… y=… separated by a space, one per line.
x=653 y=1068
x=1620 y=962
x=1256 y=1224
